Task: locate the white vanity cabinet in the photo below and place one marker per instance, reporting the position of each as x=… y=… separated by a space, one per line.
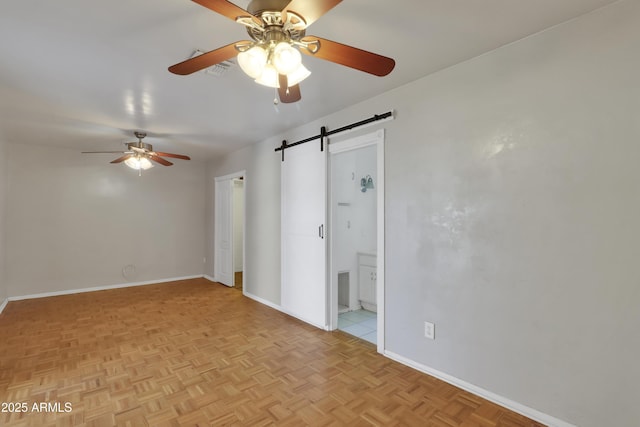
x=367 y=280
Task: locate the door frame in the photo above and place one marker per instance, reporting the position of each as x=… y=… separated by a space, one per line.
x=228 y=180
x=374 y=138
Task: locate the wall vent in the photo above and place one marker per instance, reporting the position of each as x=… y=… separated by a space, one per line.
x=219 y=69
x=216 y=70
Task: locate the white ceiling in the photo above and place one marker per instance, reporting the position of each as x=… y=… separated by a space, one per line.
x=86 y=74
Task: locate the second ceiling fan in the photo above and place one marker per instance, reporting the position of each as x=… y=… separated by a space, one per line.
x=278 y=34
x=139 y=155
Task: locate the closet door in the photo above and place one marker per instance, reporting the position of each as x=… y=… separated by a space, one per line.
x=223 y=260
x=304 y=250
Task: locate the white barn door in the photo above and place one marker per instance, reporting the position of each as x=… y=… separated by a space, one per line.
x=304 y=249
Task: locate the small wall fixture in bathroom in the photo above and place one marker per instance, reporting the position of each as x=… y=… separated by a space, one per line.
x=366 y=183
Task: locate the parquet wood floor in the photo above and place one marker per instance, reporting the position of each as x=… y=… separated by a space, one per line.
x=237 y=281
x=198 y=353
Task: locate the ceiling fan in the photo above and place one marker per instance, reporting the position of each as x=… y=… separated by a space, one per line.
x=139 y=155
x=278 y=34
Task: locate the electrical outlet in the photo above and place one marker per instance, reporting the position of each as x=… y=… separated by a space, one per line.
x=429 y=330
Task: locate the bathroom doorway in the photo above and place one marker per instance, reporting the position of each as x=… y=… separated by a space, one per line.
x=356 y=215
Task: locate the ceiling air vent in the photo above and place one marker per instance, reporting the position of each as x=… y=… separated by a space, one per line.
x=217 y=69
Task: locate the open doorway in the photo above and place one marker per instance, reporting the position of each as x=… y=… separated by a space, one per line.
x=229 y=224
x=357 y=237
x=238 y=231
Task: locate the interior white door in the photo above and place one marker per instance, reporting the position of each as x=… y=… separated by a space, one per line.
x=304 y=253
x=223 y=261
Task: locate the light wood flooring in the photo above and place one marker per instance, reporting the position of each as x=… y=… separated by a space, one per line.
x=198 y=353
x=237 y=281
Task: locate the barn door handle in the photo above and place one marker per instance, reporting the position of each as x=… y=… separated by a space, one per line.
x=321 y=231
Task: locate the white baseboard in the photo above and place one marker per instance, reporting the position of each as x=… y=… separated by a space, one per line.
x=262 y=300
x=102 y=288
x=317 y=325
x=478 y=391
x=282 y=310
x=214 y=279
x=3 y=304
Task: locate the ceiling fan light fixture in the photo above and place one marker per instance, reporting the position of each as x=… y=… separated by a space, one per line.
x=269 y=77
x=285 y=58
x=278 y=28
x=253 y=61
x=138 y=163
x=298 y=75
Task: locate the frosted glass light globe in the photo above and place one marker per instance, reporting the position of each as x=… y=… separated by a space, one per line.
x=253 y=61
x=138 y=163
x=269 y=77
x=285 y=58
x=298 y=75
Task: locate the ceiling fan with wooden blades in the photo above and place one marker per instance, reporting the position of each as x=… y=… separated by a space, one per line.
x=139 y=155
x=277 y=29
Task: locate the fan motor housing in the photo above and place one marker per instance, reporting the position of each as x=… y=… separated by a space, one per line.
x=142 y=145
x=256 y=7
x=274 y=30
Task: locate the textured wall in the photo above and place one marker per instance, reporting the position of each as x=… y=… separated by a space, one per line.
x=75 y=221
x=512 y=208
x=262 y=209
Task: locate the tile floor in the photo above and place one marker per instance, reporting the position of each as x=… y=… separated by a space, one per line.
x=361 y=323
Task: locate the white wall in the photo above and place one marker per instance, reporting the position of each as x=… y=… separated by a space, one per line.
x=512 y=209
x=262 y=208
x=518 y=232
x=75 y=221
x=3 y=184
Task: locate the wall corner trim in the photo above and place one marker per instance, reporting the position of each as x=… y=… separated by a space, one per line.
x=478 y=391
x=3 y=304
x=210 y=278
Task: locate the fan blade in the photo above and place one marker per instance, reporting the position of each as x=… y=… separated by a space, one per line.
x=288 y=94
x=349 y=56
x=111 y=152
x=160 y=160
x=177 y=156
x=310 y=11
x=122 y=159
x=228 y=9
x=205 y=60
